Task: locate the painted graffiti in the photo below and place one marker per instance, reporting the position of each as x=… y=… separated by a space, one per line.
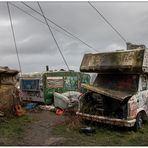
x=71 y=83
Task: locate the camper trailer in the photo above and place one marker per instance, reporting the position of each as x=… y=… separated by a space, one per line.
x=41 y=87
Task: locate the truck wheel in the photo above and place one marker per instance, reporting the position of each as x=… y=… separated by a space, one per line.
x=139 y=122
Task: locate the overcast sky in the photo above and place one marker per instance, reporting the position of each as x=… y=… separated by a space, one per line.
x=37 y=48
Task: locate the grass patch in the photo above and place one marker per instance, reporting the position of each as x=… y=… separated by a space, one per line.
x=11 y=130
x=105 y=136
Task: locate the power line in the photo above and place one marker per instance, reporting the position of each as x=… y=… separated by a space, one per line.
x=40 y=20
x=108 y=22
x=14 y=38
x=54 y=37
x=59 y=26
x=36 y=18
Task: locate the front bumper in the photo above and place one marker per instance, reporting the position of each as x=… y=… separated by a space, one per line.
x=103 y=119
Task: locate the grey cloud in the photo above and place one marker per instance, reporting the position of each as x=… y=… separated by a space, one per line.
x=35 y=43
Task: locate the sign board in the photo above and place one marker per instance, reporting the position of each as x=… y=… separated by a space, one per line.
x=55 y=82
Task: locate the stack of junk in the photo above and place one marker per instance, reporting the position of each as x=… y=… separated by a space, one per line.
x=67 y=100
x=9 y=94
x=59 y=88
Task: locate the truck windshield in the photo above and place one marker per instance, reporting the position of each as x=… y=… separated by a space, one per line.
x=128 y=82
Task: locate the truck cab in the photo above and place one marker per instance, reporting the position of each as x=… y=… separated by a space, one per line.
x=119 y=94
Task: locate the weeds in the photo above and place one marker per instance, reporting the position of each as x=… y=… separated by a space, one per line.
x=12 y=129
x=105 y=135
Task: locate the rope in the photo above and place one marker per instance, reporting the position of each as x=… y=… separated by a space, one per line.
x=37 y=19
x=19 y=63
x=108 y=22
x=54 y=37
x=60 y=27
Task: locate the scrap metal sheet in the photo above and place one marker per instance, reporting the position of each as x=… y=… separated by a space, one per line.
x=116 y=94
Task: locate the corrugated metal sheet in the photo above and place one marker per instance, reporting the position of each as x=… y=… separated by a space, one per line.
x=116 y=94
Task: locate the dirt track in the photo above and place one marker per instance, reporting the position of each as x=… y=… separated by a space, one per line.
x=39 y=131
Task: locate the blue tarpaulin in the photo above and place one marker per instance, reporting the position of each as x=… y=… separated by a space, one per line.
x=31 y=106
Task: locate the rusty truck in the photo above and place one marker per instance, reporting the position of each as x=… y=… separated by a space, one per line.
x=119 y=94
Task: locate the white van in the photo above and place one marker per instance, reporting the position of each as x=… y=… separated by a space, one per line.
x=119 y=94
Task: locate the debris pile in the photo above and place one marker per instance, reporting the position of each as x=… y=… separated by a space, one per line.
x=66 y=100
x=47 y=107
x=9 y=95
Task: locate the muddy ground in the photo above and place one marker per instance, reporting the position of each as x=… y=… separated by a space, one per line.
x=38 y=132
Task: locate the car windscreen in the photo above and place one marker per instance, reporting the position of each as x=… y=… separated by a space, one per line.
x=123 y=82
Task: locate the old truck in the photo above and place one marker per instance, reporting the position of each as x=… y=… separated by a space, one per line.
x=41 y=87
x=119 y=94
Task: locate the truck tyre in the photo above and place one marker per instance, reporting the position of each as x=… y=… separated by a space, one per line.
x=139 y=122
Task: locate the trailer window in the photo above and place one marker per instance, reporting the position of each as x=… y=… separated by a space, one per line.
x=55 y=82
x=30 y=85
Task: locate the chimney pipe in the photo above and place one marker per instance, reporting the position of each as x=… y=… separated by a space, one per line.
x=47 y=68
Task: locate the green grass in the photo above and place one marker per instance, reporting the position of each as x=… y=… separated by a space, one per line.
x=105 y=136
x=12 y=129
